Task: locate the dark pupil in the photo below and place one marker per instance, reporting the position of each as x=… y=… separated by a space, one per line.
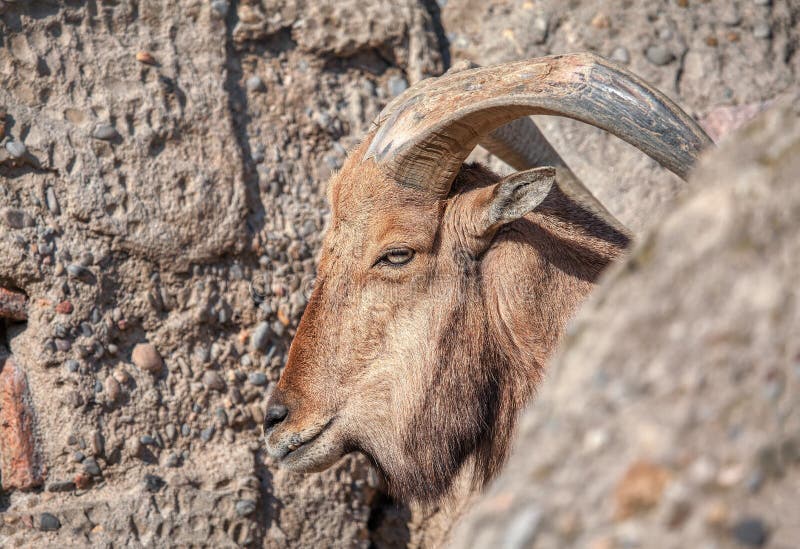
x=398 y=256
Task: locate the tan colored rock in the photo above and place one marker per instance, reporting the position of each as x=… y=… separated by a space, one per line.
x=112 y=388
x=640 y=489
x=213 y=381
x=146 y=358
x=21 y=463
x=13 y=305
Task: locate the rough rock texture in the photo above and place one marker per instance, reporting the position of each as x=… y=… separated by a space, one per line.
x=21 y=466
x=161 y=183
x=672 y=416
x=162 y=170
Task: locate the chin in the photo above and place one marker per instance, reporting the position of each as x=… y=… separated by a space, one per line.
x=315 y=456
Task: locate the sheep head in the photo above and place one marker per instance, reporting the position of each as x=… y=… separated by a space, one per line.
x=442 y=288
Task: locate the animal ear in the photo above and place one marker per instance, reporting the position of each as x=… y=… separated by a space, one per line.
x=515 y=196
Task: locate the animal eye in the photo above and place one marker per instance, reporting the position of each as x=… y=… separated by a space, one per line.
x=396 y=257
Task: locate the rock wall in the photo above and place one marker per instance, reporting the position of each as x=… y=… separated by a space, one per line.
x=672 y=416
x=161 y=199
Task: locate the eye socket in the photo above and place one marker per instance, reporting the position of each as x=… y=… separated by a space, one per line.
x=396 y=257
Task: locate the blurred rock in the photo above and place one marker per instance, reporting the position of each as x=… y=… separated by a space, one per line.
x=726 y=257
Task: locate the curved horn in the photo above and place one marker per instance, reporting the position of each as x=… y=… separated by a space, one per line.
x=521 y=145
x=424 y=135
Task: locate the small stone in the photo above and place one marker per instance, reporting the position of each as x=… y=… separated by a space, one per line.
x=86 y=259
x=78 y=457
x=397 y=85
x=245 y=507
x=133 y=446
x=91 y=467
x=98 y=443
x=171 y=431
x=52 y=201
x=221 y=416
x=257 y=378
x=82 y=481
x=112 y=389
x=639 y=489
x=16 y=219
x=80 y=272
x=121 y=375
x=257 y=413
x=762 y=30
x=61 y=486
x=16 y=149
x=48 y=522
x=64 y=308
x=186 y=430
x=62 y=345
x=213 y=380
x=153 y=483
x=539 y=30
x=601 y=21
x=207 y=433
x=621 y=55
x=105 y=132
x=260 y=337
x=145 y=58
x=659 y=55
x=146 y=357
x=751 y=532
x=255 y=84
x=172 y=460
x=283 y=318
x=147 y=440
x=220 y=7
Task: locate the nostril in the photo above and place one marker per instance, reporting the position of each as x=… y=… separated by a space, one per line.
x=275 y=414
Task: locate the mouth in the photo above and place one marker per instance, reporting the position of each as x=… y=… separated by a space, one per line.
x=296 y=446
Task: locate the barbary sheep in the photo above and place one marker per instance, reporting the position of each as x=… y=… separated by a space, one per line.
x=442 y=288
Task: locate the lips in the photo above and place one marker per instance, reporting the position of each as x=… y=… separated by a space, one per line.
x=292 y=445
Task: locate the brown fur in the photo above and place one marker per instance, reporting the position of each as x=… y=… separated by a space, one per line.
x=424 y=368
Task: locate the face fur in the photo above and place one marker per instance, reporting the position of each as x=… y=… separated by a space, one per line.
x=394 y=356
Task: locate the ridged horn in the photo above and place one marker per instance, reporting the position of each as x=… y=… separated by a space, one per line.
x=425 y=134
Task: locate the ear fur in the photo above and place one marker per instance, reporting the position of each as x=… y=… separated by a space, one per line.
x=517 y=195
